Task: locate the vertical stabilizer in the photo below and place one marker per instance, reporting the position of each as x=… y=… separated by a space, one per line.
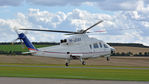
x=28 y=44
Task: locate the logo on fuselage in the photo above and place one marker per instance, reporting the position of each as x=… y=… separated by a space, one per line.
x=75 y=40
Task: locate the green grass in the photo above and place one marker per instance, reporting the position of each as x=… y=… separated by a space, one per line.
x=18 y=47
x=75 y=73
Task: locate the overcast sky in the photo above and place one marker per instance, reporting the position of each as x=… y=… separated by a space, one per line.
x=74 y=15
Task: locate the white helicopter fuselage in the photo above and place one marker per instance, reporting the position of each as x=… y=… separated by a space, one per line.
x=76 y=47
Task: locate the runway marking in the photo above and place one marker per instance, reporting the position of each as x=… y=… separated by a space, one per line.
x=74 y=67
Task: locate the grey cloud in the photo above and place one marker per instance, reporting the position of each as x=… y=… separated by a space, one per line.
x=57 y=2
x=77 y=19
x=10 y=2
x=110 y=5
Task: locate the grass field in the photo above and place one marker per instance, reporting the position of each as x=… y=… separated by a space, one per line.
x=134 y=50
x=17 y=47
x=75 y=73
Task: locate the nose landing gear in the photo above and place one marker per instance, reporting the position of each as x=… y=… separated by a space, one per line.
x=108 y=58
x=67 y=62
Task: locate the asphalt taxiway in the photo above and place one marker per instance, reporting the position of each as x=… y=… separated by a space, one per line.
x=11 y=80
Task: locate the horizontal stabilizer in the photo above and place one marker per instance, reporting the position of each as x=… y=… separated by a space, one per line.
x=28 y=52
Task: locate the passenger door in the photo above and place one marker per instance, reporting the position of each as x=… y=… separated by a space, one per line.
x=95 y=49
x=101 y=49
x=91 y=50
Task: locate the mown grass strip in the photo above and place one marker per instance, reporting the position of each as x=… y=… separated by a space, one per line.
x=75 y=73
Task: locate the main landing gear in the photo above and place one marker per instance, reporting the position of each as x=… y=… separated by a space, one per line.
x=68 y=61
x=83 y=62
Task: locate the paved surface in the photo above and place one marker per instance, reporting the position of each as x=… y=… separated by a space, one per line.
x=9 y=80
x=76 y=67
x=101 y=61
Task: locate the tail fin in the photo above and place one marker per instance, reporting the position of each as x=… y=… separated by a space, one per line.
x=28 y=44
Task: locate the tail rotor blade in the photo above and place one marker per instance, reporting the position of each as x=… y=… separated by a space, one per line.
x=14 y=41
x=22 y=44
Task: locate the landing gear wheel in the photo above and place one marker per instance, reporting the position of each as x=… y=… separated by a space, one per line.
x=108 y=58
x=67 y=64
x=83 y=63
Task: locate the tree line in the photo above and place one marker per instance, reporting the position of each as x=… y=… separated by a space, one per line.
x=114 y=54
x=11 y=52
x=36 y=43
x=129 y=45
x=130 y=54
x=56 y=43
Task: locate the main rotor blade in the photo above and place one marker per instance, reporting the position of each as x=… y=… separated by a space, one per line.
x=51 y=31
x=114 y=29
x=92 y=26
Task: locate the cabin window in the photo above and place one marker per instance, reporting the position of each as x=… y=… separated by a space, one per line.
x=105 y=46
x=95 y=45
x=90 y=46
x=100 y=45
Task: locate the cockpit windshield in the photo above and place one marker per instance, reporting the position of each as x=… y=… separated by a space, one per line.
x=105 y=45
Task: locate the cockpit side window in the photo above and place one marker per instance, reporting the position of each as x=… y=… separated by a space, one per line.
x=90 y=46
x=95 y=45
x=100 y=45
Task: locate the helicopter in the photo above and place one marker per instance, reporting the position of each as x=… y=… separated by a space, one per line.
x=79 y=46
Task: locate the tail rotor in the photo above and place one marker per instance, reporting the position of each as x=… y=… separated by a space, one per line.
x=15 y=40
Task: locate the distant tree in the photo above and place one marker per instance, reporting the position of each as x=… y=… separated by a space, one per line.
x=140 y=54
x=145 y=53
x=130 y=54
x=123 y=54
x=135 y=55
x=117 y=54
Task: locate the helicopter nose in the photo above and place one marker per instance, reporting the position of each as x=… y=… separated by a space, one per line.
x=112 y=50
